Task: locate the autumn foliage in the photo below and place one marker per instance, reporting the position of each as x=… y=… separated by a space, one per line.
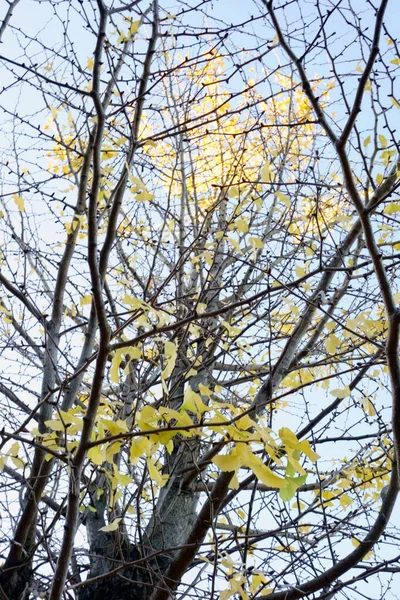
x=199 y=323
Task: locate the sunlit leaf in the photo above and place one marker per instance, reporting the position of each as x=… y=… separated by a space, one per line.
x=19 y=201
x=112 y=526
x=85 y=300
x=228 y=462
x=391 y=208
x=97 y=454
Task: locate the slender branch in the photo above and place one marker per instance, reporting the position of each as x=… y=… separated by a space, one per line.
x=7 y=18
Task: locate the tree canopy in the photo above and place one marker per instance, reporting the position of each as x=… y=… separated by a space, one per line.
x=200 y=385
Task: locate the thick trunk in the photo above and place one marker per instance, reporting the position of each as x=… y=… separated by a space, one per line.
x=129 y=582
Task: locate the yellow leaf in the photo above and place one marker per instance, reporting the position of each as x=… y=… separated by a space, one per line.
x=283 y=198
x=264 y=473
x=120 y=478
x=234 y=243
x=170 y=352
x=305 y=447
x=265 y=173
x=245 y=423
x=241 y=514
x=192 y=402
x=256 y=242
x=341 y=393
x=395 y=61
x=134 y=352
x=156 y=476
x=395 y=103
x=135 y=302
x=134 y=27
x=142 y=196
x=108 y=153
x=55 y=425
x=368 y=407
x=90 y=64
x=17 y=462
x=14 y=450
x=367 y=141
x=140 y=446
x=288 y=437
x=112 y=526
x=147 y=418
x=115 y=427
x=19 y=202
x=150 y=143
x=228 y=462
x=257 y=580
x=86 y=300
x=233 y=192
x=4 y=310
x=345 y=500
x=242 y=226
x=97 y=455
x=116 y=361
x=137 y=182
x=391 y=208
x=300 y=271
x=367 y=86
x=121 y=38
x=204 y=390
x=382 y=141
x=285 y=548
x=331 y=343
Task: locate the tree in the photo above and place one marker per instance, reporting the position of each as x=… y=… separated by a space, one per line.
x=200 y=378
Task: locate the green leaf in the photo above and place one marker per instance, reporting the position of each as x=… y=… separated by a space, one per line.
x=293 y=484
